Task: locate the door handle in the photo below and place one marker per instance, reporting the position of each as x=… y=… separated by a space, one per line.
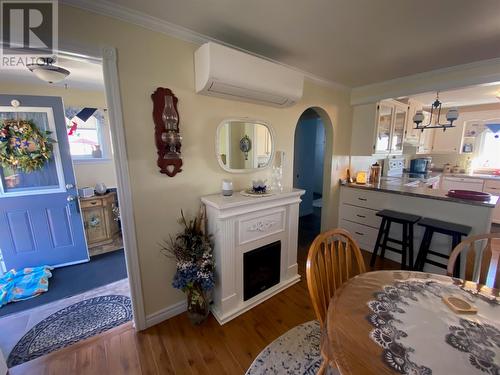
x=72 y=198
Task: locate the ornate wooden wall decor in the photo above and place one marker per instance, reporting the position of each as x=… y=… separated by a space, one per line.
x=167 y=136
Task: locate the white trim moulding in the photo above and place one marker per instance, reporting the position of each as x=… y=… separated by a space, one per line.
x=146 y=21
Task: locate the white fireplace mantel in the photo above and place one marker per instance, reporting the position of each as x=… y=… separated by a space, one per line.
x=240 y=224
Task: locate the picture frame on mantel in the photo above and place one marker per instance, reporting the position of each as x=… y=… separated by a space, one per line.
x=167 y=134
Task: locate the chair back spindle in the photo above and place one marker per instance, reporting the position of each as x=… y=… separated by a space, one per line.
x=334 y=257
x=482 y=262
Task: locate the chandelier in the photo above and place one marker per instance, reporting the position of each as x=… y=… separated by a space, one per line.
x=451 y=116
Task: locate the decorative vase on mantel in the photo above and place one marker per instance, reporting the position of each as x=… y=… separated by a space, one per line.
x=197 y=304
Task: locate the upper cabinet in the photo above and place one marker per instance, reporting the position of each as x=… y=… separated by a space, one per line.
x=379 y=128
x=449 y=141
x=426 y=137
x=385 y=119
x=398 y=128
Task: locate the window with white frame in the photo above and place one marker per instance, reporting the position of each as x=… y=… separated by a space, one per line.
x=489 y=149
x=87 y=134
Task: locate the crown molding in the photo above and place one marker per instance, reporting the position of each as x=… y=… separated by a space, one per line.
x=152 y=23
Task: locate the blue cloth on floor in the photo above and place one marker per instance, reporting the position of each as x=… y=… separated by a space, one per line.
x=17 y=285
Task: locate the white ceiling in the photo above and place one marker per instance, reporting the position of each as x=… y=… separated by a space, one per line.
x=353 y=42
x=83 y=75
x=474 y=95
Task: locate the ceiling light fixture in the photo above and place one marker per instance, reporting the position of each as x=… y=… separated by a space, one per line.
x=451 y=116
x=48 y=73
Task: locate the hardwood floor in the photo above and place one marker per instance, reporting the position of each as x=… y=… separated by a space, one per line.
x=177 y=347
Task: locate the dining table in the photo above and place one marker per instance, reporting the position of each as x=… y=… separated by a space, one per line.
x=399 y=322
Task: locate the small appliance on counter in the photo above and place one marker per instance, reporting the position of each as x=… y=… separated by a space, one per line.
x=456 y=169
x=393 y=167
x=420 y=165
x=447 y=168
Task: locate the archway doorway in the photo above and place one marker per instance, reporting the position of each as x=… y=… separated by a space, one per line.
x=308 y=167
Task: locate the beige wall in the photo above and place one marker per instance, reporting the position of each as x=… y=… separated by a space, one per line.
x=147 y=60
x=87 y=174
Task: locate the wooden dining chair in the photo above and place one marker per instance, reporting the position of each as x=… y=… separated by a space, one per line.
x=482 y=264
x=334 y=257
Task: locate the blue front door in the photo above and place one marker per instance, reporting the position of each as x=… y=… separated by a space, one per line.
x=40 y=220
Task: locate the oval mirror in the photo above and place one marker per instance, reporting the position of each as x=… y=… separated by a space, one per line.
x=244 y=145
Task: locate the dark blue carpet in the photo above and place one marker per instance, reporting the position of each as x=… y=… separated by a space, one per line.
x=71 y=280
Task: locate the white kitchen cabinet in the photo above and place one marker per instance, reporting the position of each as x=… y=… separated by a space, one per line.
x=378 y=128
x=493 y=187
x=412 y=135
x=449 y=141
x=426 y=137
x=358 y=208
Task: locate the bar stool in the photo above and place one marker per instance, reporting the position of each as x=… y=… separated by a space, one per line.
x=455 y=231
x=406 y=242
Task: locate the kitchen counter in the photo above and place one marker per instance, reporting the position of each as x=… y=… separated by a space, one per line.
x=401 y=186
x=359 y=205
x=477 y=175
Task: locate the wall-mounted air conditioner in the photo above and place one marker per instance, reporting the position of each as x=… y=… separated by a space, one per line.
x=227 y=73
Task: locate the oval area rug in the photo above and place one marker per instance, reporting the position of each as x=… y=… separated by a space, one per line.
x=295 y=352
x=70 y=325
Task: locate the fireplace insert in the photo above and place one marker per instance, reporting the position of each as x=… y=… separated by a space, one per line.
x=261 y=269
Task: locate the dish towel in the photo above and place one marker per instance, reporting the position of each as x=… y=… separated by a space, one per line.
x=23 y=284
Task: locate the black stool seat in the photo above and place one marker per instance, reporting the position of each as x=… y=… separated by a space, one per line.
x=455 y=231
x=406 y=251
x=399 y=217
x=445 y=227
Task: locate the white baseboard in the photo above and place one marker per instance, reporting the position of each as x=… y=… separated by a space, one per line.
x=166 y=313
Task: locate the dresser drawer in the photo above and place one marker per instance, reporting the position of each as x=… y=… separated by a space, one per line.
x=86 y=203
x=257 y=227
x=360 y=215
x=364 y=235
x=363 y=198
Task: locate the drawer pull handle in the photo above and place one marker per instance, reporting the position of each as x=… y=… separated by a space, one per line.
x=361 y=234
x=362 y=199
x=93 y=203
x=362 y=216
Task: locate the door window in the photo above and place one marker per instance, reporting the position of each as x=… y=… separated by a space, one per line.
x=49 y=179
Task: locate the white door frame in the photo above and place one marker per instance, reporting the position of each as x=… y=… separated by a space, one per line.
x=124 y=191
x=108 y=58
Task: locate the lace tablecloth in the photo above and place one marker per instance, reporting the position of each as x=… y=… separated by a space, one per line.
x=397 y=323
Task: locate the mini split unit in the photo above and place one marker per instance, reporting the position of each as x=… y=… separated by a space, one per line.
x=231 y=74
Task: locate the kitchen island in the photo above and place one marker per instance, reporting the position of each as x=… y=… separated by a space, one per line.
x=360 y=203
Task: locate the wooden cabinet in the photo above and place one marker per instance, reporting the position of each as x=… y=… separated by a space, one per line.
x=379 y=128
x=98 y=219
